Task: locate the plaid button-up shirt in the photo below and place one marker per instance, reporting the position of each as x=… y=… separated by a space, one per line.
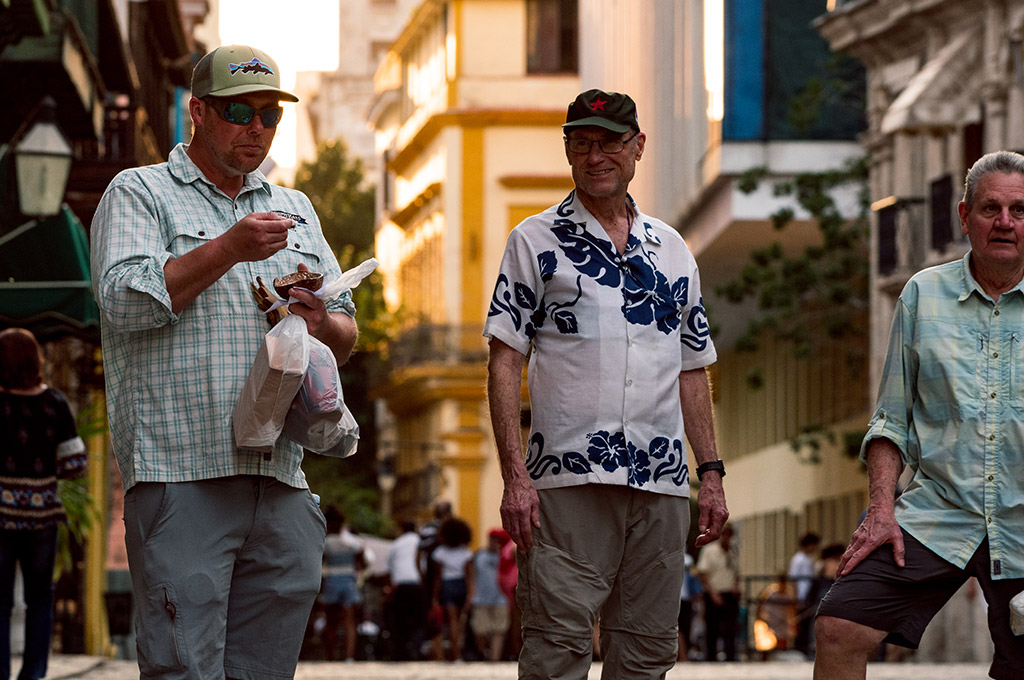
x=173 y=379
x=952 y=400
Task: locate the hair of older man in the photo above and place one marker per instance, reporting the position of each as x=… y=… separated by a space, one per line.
x=1006 y=162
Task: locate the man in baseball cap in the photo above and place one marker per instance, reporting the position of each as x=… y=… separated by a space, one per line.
x=232 y=70
x=224 y=543
x=599 y=508
x=610 y=110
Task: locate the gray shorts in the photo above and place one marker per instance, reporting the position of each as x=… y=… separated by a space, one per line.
x=903 y=600
x=224 y=572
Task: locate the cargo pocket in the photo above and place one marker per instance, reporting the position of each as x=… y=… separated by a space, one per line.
x=161 y=640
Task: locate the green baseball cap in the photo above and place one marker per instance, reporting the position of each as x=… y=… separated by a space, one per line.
x=237 y=69
x=611 y=110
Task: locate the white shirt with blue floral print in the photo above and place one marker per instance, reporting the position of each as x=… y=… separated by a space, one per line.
x=609 y=334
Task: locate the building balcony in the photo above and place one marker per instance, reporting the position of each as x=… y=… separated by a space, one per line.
x=444 y=344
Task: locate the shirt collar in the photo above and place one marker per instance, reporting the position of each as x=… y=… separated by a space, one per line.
x=970 y=285
x=639 y=230
x=186 y=171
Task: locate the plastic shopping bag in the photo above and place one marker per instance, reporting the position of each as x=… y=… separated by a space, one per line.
x=318 y=418
x=273 y=382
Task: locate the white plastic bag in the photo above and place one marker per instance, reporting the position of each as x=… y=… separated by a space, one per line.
x=272 y=384
x=318 y=418
x=271 y=395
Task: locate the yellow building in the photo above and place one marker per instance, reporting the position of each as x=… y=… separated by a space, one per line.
x=467 y=115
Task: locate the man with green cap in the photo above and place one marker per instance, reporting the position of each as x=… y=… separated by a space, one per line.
x=224 y=544
x=606 y=302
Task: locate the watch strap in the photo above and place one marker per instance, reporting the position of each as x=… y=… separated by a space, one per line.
x=710 y=465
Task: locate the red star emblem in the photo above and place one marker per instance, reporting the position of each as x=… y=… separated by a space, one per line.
x=598 y=105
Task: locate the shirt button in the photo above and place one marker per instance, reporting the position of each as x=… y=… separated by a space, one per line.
x=297 y=246
x=202 y=233
x=991 y=437
x=629 y=382
x=996 y=313
x=995 y=355
x=990 y=520
x=990 y=478
x=993 y=395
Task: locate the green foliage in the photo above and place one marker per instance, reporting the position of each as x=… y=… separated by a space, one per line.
x=812 y=296
x=79 y=505
x=333 y=183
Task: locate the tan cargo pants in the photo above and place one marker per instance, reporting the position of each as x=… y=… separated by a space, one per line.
x=606 y=551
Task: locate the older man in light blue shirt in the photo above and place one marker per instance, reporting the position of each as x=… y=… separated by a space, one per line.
x=950 y=407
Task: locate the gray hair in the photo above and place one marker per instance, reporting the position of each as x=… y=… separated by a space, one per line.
x=1006 y=162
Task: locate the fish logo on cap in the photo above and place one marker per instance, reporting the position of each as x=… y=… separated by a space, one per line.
x=254 y=65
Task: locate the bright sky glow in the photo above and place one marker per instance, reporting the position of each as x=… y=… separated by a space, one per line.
x=714 y=57
x=301 y=35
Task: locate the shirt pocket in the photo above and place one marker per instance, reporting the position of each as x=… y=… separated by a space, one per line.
x=953 y=369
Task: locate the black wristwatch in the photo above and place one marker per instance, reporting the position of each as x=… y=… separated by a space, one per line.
x=717 y=465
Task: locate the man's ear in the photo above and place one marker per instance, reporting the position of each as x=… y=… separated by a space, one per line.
x=196 y=110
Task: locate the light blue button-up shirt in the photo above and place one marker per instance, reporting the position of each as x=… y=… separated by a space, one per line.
x=952 y=400
x=173 y=379
x=608 y=334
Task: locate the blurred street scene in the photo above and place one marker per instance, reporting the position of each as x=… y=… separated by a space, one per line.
x=810 y=152
x=92 y=668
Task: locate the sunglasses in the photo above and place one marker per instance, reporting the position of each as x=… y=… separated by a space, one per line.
x=242 y=114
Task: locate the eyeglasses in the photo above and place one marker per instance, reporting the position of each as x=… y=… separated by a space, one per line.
x=242 y=114
x=608 y=146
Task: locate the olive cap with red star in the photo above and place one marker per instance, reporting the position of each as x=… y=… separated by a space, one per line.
x=611 y=110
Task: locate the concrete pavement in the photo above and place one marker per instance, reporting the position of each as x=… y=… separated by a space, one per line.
x=74 y=667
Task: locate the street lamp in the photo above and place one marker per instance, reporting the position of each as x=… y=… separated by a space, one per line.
x=42 y=162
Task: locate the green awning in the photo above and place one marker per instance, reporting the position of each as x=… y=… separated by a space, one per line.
x=44 y=279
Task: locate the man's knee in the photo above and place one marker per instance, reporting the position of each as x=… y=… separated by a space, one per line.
x=637 y=656
x=550 y=655
x=834 y=634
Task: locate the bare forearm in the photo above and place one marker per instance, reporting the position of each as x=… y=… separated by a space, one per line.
x=504 y=381
x=339 y=333
x=884 y=467
x=698 y=415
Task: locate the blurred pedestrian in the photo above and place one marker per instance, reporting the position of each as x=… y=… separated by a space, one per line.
x=430 y=538
x=39 y=444
x=686 y=595
x=508 y=578
x=720 y=578
x=344 y=559
x=224 y=543
x=801 y=573
x=454 y=580
x=407 y=599
x=488 y=616
x=606 y=303
x=949 y=407
x=825 y=574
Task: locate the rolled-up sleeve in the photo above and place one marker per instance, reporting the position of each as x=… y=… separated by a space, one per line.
x=128 y=258
x=896 y=390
